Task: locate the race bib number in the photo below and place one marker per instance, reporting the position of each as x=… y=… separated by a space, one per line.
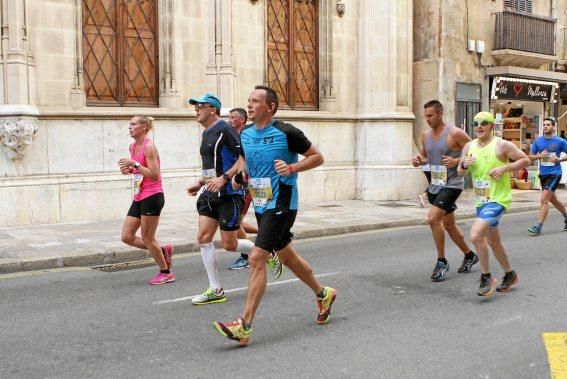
x=261 y=191
x=546 y=161
x=209 y=174
x=438 y=175
x=482 y=191
x=136 y=183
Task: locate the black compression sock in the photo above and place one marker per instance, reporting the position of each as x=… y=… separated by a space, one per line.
x=442 y=260
x=164 y=271
x=469 y=255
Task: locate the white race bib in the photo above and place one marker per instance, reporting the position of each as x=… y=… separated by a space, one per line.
x=482 y=191
x=261 y=191
x=136 y=183
x=438 y=175
x=546 y=161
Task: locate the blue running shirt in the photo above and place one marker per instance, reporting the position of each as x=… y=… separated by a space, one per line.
x=554 y=146
x=220 y=147
x=260 y=147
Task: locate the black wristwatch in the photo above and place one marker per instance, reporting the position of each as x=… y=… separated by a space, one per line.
x=463 y=166
x=136 y=165
x=226 y=177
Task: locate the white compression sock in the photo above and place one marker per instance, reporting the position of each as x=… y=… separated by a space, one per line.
x=245 y=246
x=210 y=261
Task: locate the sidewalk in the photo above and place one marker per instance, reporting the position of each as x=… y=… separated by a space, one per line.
x=89 y=243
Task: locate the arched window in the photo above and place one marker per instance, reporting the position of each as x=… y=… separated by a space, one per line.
x=120 y=52
x=293 y=51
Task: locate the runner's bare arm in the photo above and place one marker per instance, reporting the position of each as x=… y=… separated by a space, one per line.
x=312 y=158
x=421 y=158
x=152 y=171
x=507 y=150
x=465 y=160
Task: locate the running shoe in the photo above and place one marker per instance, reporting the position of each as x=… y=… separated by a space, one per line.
x=467 y=264
x=565 y=226
x=168 y=254
x=509 y=280
x=421 y=201
x=162 y=278
x=239 y=264
x=439 y=272
x=487 y=284
x=210 y=296
x=324 y=305
x=536 y=230
x=275 y=265
x=234 y=330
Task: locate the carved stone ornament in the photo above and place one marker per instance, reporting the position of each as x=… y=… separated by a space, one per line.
x=18 y=125
x=341 y=8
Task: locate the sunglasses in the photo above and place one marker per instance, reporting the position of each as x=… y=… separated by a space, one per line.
x=202 y=105
x=483 y=123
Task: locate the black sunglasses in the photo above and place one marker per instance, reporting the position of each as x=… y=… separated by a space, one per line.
x=483 y=123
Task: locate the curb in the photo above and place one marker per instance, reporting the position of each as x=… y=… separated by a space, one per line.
x=94 y=258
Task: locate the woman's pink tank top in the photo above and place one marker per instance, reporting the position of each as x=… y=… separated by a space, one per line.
x=148 y=187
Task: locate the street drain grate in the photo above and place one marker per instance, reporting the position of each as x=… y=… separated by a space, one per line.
x=113 y=267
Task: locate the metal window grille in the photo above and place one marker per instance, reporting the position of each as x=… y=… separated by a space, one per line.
x=292 y=52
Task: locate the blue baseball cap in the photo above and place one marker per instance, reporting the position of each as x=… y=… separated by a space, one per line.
x=207 y=98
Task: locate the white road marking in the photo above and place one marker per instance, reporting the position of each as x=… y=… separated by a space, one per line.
x=186 y=298
x=505 y=321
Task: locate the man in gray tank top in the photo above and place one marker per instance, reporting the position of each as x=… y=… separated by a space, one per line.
x=441 y=146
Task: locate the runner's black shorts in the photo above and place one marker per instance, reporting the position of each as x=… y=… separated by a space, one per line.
x=549 y=182
x=274 y=229
x=446 y=199
x=225 y=209
x=150 y=206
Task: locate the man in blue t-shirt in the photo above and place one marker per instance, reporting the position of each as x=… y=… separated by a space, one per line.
x=269 y=149
x=548 y=149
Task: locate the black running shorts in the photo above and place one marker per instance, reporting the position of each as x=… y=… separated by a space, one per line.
x=274 y=229
x=225 y=209
x=549 y=182
x=150 y=206
x=446 y=199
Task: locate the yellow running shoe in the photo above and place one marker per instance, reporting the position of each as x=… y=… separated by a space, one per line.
x=234 y=330
x=324 y=305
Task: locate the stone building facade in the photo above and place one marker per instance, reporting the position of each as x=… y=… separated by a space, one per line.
x=62 y=131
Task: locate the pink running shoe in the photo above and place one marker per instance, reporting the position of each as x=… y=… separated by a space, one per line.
x=162 y=278
x=167 y=254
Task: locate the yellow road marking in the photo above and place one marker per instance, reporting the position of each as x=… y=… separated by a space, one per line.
x=556 y=345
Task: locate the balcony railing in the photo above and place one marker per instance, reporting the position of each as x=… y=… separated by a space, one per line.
x=523 y=32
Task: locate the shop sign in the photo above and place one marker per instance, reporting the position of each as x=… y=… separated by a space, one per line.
x=523 y=90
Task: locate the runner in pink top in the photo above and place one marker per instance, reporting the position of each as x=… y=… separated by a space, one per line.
x=148 y=199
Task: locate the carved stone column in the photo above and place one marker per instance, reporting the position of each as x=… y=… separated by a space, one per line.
x=18 y=125
x=17 y=60
x=220 y=70
x=168 y=95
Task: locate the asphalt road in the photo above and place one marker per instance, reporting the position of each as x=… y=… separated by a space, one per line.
x=389 y=320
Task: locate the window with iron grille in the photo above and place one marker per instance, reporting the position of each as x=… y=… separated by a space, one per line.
x=292 y=52
x=120 y=52
x=523 y=6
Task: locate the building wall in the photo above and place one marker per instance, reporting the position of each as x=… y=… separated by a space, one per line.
x=69 y=171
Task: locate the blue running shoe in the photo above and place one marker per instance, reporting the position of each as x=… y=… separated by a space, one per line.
x=535 y=230
x=239 y=264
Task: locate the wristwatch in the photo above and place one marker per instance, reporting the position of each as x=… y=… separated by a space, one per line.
x=136 y=165
x=226 y=177
x=463 y=166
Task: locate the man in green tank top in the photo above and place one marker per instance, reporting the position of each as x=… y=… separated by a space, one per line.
x=487 y=158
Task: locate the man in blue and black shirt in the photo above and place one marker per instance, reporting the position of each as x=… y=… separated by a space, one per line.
x=548 y=149
x=219 y=204
x=269 y=150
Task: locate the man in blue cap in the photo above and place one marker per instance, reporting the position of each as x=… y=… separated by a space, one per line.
x=218 y=205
